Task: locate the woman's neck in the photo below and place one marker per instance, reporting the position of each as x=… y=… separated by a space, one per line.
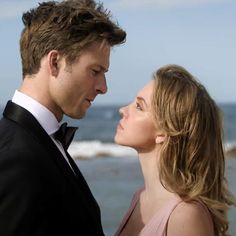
x=153 y=186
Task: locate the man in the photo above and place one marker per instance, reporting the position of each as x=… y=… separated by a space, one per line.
x=65 y=49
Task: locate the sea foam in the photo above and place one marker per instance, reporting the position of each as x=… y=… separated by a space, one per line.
x=93 y=149
x=96 y=148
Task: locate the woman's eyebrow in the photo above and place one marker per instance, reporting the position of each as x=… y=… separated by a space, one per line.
x=141 y=99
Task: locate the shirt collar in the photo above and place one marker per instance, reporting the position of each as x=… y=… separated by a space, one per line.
x=45 y=117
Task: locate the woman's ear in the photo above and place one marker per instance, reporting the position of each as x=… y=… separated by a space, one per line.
x=53 y=62
x=160 y=138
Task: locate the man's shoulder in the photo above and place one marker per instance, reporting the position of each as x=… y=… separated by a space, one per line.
x=16 y=140
x=11 y=130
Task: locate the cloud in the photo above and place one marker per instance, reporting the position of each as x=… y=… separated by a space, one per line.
x=150 y=4
x=15 y=8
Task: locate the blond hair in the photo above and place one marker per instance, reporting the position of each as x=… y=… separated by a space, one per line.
x=192 y=162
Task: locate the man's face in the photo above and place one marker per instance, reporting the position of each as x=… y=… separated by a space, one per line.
x=77 y=85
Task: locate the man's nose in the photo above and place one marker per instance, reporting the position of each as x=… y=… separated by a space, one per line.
x=101 y=85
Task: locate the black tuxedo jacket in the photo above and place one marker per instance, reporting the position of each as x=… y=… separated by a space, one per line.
x=39 y=193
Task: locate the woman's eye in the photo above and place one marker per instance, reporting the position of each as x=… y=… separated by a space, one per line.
x=138 y=106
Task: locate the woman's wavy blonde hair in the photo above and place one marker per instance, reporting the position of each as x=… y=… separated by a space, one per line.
x=192 y=162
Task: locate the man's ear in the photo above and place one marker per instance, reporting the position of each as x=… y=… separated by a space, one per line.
x=53 y=62
x=160 y=138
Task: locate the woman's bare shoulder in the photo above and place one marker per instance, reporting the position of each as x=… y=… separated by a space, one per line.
x=190 y=218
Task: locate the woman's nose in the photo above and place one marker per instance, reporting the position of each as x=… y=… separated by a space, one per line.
x=123 y=110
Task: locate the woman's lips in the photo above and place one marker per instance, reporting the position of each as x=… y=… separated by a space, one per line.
x=119 y=126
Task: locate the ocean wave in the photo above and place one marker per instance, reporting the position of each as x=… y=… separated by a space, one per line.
x=96 y=148
x=93 y=149
x=230 y=149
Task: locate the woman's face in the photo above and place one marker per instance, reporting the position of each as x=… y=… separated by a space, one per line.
x=136 y=128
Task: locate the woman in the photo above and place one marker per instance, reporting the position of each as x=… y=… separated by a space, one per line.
x=175 y=126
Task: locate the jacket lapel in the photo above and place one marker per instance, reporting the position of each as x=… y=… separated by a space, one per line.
x=25 y=119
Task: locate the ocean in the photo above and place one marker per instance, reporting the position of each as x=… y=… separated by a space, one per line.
x=113 y=172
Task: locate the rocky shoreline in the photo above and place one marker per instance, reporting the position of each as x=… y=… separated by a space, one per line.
x=231 y=153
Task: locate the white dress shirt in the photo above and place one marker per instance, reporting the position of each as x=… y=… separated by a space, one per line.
x=45 y=117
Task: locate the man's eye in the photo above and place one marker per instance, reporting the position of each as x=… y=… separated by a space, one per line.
x=95 y=72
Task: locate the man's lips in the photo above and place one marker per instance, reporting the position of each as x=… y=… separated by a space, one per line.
x=90 y=100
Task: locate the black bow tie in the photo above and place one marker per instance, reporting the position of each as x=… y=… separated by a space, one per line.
x=65 y=135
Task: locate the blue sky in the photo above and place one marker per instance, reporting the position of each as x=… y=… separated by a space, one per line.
x=197 y=34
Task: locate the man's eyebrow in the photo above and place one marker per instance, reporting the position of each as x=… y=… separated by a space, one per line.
x=105 y=69
x=141 y=99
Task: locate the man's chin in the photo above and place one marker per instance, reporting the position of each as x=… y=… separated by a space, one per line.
x=77 y=116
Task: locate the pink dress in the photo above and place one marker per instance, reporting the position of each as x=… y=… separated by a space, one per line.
x=157 y=226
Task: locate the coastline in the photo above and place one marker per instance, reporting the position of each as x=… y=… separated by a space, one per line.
x=231 y=153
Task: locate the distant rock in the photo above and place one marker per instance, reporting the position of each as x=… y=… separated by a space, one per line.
x=231 y=152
